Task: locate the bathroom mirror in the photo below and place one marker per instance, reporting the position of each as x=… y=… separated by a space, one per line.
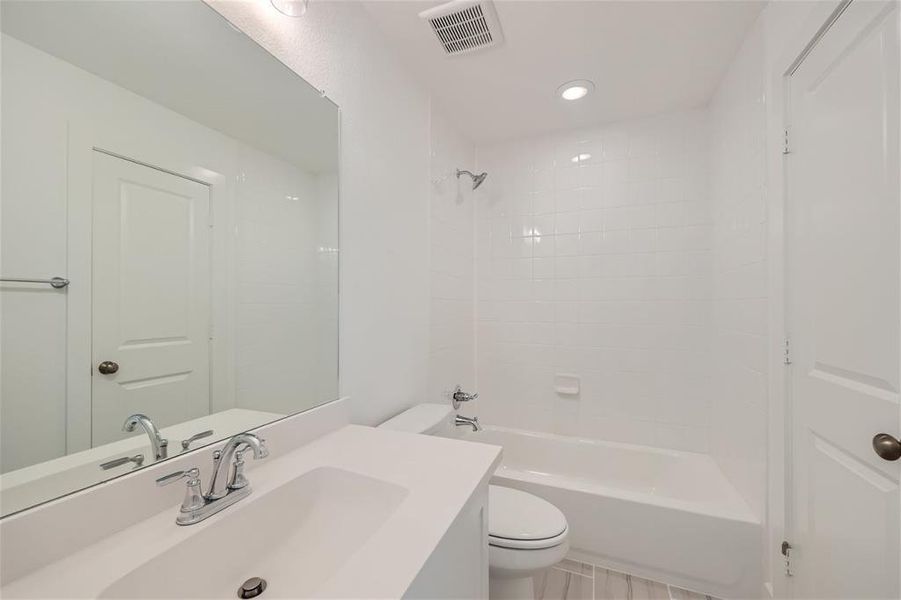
x=169 y=245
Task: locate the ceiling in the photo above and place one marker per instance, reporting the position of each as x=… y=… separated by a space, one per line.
x=645 y=57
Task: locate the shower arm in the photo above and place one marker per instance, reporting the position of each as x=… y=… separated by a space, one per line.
x=477 y=179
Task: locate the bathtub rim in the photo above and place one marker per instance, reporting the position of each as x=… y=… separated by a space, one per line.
x=737 y=510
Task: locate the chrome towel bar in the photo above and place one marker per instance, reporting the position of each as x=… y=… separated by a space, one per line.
x=56 y=282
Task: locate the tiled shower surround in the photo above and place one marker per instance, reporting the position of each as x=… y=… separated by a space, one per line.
x=593 y=259
x=452 y=294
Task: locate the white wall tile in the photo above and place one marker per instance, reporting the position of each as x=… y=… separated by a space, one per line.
x=621 y=282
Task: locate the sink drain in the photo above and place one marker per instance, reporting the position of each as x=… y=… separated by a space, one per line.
x=252 y=588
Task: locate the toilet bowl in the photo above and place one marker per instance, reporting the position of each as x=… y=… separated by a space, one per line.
x=526 y=534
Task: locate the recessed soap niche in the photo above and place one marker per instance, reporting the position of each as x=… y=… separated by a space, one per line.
x=567 y=384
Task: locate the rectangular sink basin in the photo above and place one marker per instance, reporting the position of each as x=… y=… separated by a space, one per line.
x=295 y=537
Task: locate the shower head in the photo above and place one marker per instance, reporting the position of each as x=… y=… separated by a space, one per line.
x=476 y=179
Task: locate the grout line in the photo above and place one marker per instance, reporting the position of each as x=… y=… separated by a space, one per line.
x=567 y=582
x=573 y=571
x=593 y=583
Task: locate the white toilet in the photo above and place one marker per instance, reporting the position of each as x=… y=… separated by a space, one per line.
x=526 y=534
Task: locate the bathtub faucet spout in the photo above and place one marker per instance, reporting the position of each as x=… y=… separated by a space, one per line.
x=473 y=422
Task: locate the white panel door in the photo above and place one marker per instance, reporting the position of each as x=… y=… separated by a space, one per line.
x=151 y=296
x=843 y=270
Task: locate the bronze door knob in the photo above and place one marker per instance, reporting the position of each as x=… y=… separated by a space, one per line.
x=887 y=446
x=108 y=367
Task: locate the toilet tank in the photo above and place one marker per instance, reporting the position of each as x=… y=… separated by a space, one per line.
x=429 y=419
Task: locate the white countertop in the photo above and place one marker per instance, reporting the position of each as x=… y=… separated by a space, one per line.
x=439 y=474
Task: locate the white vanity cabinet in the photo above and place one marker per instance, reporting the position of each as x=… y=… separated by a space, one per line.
x=458 y=568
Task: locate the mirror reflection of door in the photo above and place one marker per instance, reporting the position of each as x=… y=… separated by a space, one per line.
x=151 y=296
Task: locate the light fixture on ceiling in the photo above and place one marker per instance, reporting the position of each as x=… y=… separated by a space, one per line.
x=574 y=90
x=291 y=8
x=578 y=158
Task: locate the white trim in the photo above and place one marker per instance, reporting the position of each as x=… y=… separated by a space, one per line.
x=898 y=433
x=779 y=443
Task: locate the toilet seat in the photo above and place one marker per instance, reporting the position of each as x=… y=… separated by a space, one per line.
x=522 y=521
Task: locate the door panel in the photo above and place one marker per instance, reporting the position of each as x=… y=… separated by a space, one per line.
x=844 y=316
x=151 y=296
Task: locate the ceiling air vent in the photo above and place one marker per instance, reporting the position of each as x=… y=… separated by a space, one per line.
x=464 y=26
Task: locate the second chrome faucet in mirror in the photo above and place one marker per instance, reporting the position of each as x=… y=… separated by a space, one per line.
x=158 y=445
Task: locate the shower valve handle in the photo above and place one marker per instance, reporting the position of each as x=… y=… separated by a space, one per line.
x=459 y=397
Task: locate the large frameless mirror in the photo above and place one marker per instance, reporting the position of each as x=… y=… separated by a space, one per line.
x=169 y=252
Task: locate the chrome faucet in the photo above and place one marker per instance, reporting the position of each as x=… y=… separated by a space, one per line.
x=227 y=485
x=158 y=445
x=223 y=477
x=473 y=422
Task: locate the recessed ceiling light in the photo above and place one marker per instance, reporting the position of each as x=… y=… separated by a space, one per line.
x=573 y=90
x=291 y=8
x=580 y=157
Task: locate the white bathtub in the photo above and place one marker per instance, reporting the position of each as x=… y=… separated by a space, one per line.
x=662 y=514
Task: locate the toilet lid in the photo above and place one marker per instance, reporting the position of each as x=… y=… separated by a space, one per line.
x=517 y=519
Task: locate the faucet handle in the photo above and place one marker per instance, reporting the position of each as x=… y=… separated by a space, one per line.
x=459 y=397
x=137 y=459
x=238 y=479
x=193 y=499
x=185 y=444
x=190 y=475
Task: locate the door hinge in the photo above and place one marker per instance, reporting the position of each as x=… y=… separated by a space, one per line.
x=786 y=552
x=786 y=149
x=787 y=352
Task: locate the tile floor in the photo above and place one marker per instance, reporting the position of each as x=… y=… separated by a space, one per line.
x=573 y=580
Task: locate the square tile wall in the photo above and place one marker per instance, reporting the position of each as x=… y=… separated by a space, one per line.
x=593 y=258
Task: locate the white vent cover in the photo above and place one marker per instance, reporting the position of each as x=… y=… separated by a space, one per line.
x=464 y=26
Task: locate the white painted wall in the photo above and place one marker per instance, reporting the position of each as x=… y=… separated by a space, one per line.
x=44 y=101
x=601 y=269
x=740 y=291
x=384 y=181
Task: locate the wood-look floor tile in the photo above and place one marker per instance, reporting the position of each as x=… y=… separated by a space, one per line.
x=557 y=584
x=576 y=567
x=645 y=589
x=610 y=585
